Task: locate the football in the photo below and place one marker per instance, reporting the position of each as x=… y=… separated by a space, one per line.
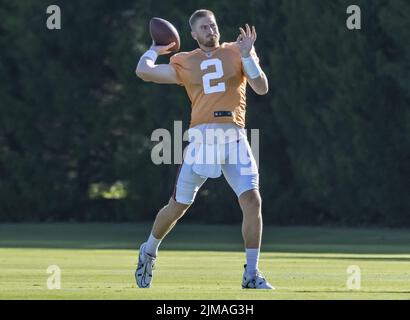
x=163 y=33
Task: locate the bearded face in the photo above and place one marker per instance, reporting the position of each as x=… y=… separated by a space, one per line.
x=206 y=32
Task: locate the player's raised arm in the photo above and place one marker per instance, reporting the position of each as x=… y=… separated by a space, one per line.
x=254 y=73
x=147 y=70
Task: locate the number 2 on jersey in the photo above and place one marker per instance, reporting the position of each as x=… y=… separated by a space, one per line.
x=218 y=74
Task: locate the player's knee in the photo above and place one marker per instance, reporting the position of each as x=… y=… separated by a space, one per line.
x=177 y=209
x=251 y=200
x=255 y=202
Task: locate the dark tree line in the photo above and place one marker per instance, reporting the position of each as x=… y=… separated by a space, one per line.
x=75 y=122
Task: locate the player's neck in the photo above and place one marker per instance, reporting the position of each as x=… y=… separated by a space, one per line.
x=209 y=49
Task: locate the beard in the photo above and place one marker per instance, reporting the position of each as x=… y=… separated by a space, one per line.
x=209 y=42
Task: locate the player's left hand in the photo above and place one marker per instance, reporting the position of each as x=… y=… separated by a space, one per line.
x=245 y=40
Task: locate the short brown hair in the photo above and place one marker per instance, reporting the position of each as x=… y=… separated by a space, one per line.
x=201 y=13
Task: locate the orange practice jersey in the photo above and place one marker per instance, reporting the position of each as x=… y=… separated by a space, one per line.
x=215 y=83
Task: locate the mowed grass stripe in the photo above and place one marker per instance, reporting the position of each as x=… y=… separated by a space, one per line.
x=201 y=262
x=109 y=274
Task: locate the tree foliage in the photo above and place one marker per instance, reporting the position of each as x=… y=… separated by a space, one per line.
x=334 y=129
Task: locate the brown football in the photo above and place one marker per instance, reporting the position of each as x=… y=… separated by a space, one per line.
x=163 y=33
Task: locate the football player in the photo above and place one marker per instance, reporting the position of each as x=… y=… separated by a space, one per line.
x=215 y=76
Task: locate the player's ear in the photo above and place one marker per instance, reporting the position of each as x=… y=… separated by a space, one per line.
x=194 y=35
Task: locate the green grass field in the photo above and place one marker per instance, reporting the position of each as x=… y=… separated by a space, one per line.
x=97 y=261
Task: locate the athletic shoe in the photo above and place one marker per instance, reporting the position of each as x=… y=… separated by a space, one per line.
x=146 y=263
x=255 y=281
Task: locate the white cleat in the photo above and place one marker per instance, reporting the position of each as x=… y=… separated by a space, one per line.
x=146 y=263
x=255 y=281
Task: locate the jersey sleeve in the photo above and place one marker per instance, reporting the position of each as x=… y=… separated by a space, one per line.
x=176 y=62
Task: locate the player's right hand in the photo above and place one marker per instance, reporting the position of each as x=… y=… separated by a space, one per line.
x=161 y=50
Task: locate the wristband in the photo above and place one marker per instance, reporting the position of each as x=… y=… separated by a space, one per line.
x=151 y=55
x=251 y=67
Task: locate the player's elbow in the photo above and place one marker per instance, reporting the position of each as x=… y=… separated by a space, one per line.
x=260 y=85
x=141 y=74
x=263 y=91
